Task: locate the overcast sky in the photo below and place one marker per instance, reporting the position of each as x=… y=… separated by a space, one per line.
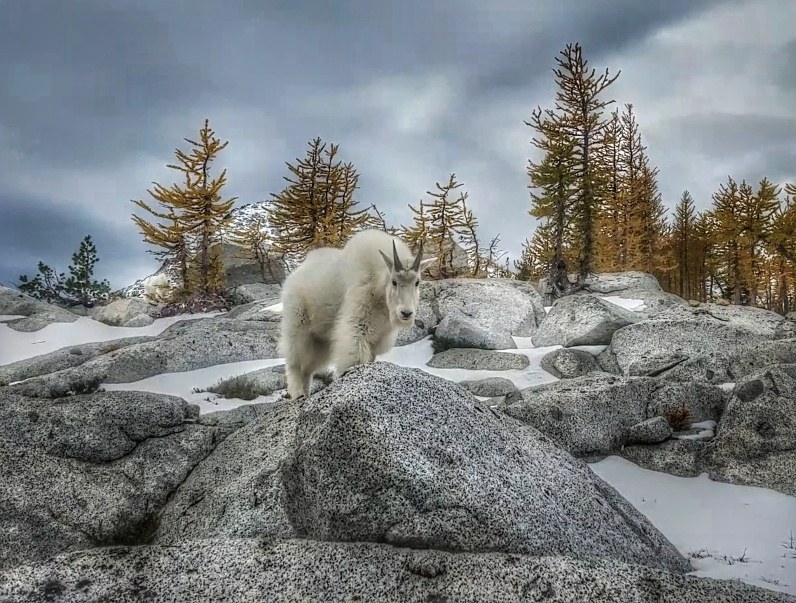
x=95 y=95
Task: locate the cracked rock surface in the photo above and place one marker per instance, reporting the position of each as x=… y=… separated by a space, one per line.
x=91 y=470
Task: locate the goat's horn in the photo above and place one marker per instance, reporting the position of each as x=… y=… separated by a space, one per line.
x=396 y=261
x=416 y=265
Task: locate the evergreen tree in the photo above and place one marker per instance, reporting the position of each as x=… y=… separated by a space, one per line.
x=317 y=208
x=47 y=285
x=78 y=288
x=80 y=284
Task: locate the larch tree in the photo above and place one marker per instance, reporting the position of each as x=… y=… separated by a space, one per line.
x=317 y=208
x=684 y=246
x=782 y=250
x=611 y=231
x=437 y=222
x=728 y=230
x=468 y=237
x=537 y=254
x=195 y=212
x=255 y=240
x=571 y=137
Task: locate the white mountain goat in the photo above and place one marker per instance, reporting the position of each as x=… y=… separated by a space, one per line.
x=347 y=305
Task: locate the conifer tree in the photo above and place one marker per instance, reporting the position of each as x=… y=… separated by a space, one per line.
x=782 y=250
x=79 y=287
x=255 y=241
x=80 y=284
x=684 y=247
x=469 y=238
x=195 y=213
x=537 y=254
x=47 y=285
x=611 y=236
x=727 y=232
x=437 y=222
x=317 y=208
x=415 y=234
x=572 y=138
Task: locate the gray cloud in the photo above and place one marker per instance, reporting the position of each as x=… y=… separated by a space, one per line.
x=95 y=95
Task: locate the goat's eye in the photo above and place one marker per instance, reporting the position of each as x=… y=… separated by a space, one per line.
x=417 y=283
x=395 y=283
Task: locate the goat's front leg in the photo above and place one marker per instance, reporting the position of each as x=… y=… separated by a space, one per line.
x=353 y=332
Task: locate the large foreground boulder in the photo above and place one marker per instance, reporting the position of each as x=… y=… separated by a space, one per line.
x=304 y=570
x=394 y=455
x=91 y=470
x=582 y=320
x=184 y=346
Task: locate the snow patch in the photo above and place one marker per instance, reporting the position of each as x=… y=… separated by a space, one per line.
x=634 y=305
x=15 y=345
x=728 y=532
x=7 y=317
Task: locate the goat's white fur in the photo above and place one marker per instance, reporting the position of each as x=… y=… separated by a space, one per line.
x=341 y=307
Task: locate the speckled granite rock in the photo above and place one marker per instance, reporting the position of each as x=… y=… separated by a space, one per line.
x=457 y=330
x=592 y=414
x=184 y=346
x=582 y=320
x=319 y=572
x=482 y=360
x=651 y=431
x=389 y=454
x=568 y=363
x=90 y=470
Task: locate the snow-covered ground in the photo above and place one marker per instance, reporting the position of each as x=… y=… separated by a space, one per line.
x=728 y=532
x=18 y=346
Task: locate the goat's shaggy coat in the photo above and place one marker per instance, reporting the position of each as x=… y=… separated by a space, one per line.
x=345 y=306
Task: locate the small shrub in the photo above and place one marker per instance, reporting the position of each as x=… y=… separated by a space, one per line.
x=679 y=418
x=238 y=387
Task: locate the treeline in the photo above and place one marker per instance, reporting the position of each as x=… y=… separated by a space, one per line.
x=596 y=195
x=593 y=190
x=189 y=221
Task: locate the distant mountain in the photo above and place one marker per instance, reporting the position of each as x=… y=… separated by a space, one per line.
x=242 y=217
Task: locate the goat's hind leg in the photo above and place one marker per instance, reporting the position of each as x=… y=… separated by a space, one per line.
x=312 y=356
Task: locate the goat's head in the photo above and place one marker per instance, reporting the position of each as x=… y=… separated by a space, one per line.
x=403 y=286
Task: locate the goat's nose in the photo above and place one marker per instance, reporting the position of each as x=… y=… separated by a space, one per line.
x=406 y=314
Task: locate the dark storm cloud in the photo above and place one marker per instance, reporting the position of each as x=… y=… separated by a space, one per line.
x=37 y=230
x=95 y=95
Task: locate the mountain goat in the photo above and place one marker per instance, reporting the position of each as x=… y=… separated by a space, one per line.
x=347 y=305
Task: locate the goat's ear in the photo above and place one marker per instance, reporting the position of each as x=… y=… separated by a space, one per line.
x=387 y=260
x=426 y=263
